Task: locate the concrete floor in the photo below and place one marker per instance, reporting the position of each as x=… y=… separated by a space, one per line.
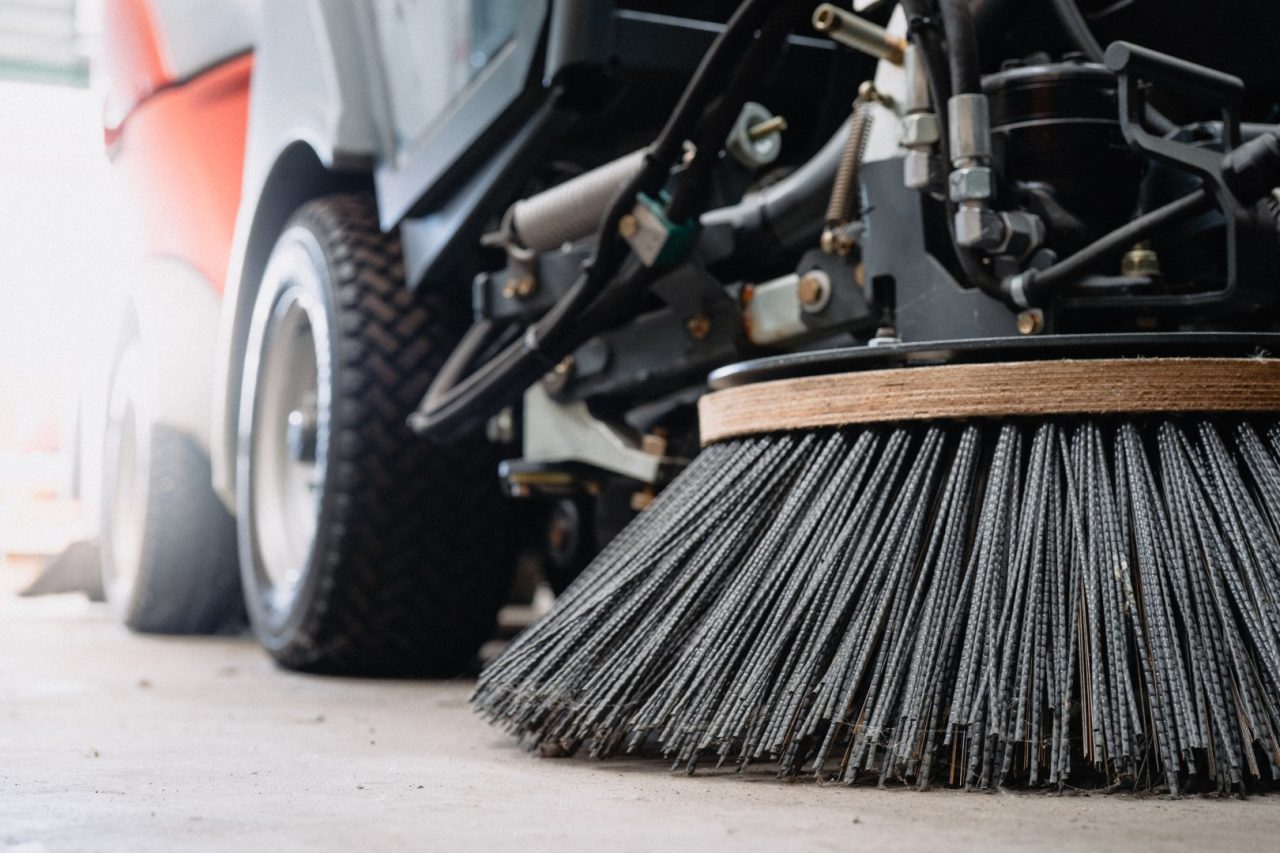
x=115 y=742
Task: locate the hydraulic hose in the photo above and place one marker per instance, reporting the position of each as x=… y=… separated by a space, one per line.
x=1030 y=286
x=449 y=407
x=953 y=70
x=926 y=35
x=719 y=118
x=962 y=47
x=788 y=213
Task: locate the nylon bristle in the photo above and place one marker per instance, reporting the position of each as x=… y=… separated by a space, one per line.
x=1085 y=602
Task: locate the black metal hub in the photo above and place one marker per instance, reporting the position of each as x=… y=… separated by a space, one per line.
x=986 y=350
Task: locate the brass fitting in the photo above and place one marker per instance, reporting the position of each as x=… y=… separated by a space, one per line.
x=1140 y=260
x=858 y=33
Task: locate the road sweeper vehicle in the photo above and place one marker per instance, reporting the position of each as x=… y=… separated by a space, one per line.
x=983 y=487
x=176 y=97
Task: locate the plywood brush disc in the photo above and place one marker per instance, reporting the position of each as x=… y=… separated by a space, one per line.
x=1028 y=388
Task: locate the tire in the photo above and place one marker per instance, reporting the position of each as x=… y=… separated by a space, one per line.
x=168 y=548
x=364 y=549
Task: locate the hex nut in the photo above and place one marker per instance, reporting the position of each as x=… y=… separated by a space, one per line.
x=919 y=129
x=973 y=183
x=1020 y=233
x=814 y=291
x=1140 y=260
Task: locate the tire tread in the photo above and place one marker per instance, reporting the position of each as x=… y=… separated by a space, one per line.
x=416 y=559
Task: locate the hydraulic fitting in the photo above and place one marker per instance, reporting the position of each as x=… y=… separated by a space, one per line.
x=1015 y=233
x=974 y=224
x=915 y=170
x=971 y=183
x=858 y=33
x=920 y=132
x=969 y=129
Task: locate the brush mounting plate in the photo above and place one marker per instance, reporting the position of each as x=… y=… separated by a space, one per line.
x=985 y=350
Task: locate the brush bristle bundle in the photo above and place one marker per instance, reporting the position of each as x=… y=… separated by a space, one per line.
x=1084 y=602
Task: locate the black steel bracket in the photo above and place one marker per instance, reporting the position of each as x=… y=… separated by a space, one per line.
x=1138 y=67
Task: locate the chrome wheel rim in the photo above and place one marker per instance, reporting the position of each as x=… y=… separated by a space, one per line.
x=288 y=422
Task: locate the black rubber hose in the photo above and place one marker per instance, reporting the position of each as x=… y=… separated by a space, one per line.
x=925 y=34
x=448 y=408
x=962 y=47
x=788 y=214
x=1036 y=284
x=719 y=118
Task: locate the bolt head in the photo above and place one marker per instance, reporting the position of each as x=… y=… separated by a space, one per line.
x=557 y=379
x=1031 y=322
x=654 y=444
x=814 y=291
x=628 y=227
x=699 y=326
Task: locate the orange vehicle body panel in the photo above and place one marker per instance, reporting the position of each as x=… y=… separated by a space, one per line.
x=178 y=145
x=181 y=152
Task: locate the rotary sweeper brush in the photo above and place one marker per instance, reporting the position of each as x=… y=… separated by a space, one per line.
x=1018 y=521
x=881 y=574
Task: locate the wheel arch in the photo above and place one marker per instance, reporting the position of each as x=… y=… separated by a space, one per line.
x=301 y=172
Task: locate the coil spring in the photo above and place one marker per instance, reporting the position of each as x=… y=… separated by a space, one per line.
x=844 y=191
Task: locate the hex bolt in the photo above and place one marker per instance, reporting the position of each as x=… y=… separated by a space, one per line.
x=640 y=500
x=558 y=377
x=777 y=124
x=1031 y=322
x=699 y=326
x=519 y=288
x=654 y=444
x=868 y=92
x=814 y=291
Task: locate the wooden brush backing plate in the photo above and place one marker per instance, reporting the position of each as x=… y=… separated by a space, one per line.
x=1002 y=389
